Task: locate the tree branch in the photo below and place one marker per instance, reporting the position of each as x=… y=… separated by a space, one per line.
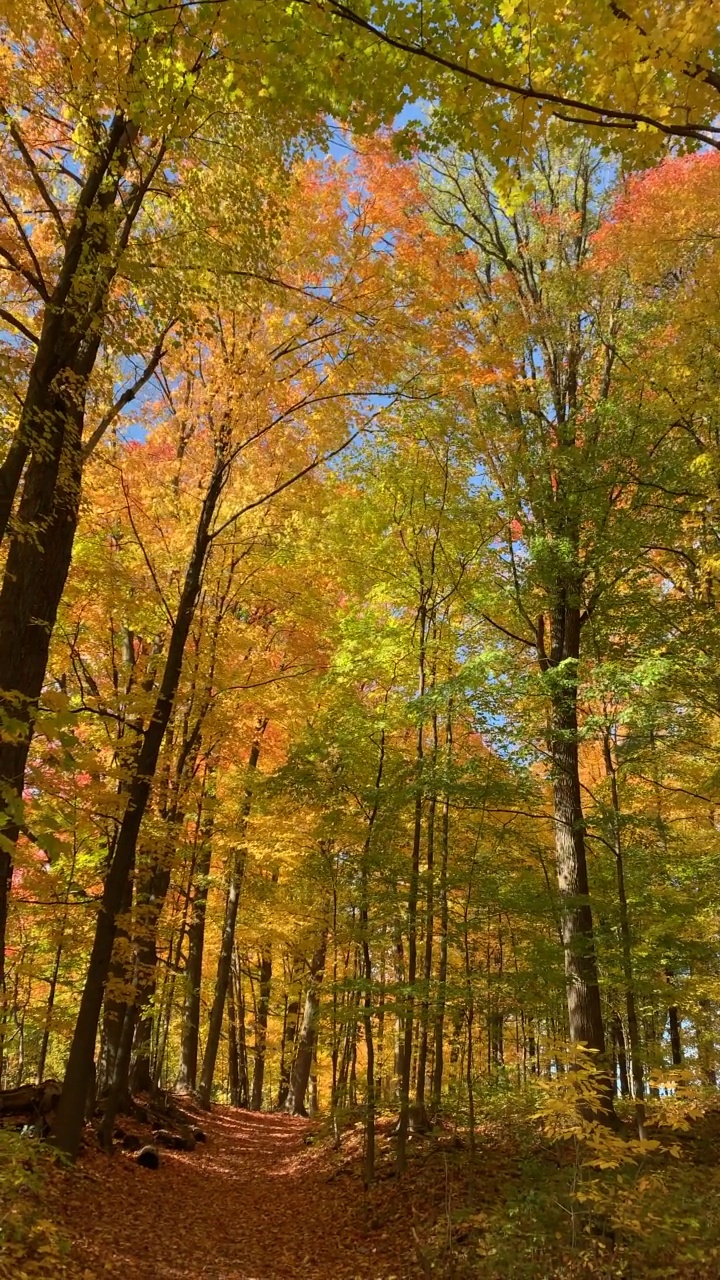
x=128 y=395
x=605 y=116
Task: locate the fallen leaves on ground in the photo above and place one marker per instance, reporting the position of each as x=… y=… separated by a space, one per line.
x=253 y=1203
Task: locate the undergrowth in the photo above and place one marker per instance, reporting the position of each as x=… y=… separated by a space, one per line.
x=32 y=1245
x=550 y=1195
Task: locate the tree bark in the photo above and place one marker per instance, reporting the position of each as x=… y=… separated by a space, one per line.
x=237 y=1039
x=414 y=879
x=227 y=942
x=422 y=1057
x=50 y=435
x=618 y=1035
x=287 y=1051
x=675 y=1041
x=636 y=1064
x=261 y=1025
x=438 y=1066
x=190 y=1033
x=370 y=1105
x=151 y=899
x=581 y=973
x=300 y=1075
x=81 y=1058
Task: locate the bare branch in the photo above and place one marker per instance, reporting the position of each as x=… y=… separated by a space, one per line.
x=128 y=395
x=18 y=324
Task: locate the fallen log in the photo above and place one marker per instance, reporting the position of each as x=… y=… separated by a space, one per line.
x=37 y=1103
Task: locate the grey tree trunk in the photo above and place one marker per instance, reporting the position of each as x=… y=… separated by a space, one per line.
x=560 y=666
x=370 y=1086
x=287 y=1052
x=187 y=1075
x=261 y=1024
x=413 y=887
x=302 y=1066
x=438 y=1065
x=636 y=1063
x=227 y=942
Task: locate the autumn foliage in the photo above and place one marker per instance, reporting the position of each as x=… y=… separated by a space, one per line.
x=359 y=627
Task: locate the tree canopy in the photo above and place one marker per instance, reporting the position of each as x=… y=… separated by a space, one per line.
x=360 y=568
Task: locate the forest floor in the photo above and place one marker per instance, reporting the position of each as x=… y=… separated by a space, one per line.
x=268 y=1197
x=255 y=1202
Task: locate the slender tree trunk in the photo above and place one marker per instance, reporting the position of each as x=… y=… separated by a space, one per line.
x=287 y=1052
x=228 y=931
x=618 y=1035
x=300 y=1075
x=190 y=1032
x=636 y=1064
x=399 y=1029
x=675 y=1041
x=428 y=952
x=444 y=927
x=409 y=1003
x=118 y=1083
x=380 y=1084
x=261 y=1026
x=233 y=1048
x=82 y=1050
x=56 y=971
x=367 y=975
x=167 y=998
x=151 y=896
x=242 y=1057
x=119 y=975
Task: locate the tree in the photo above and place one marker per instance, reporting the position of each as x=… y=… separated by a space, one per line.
x=505 y=68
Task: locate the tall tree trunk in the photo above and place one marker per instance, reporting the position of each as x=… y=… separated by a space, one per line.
x=413 y=886
x=636 y=1064
x=675 y=1041
x=232 y=1043
x=237 y=1038
x=399 y=1025
x=287 y=1050
x=300 y=1075
x=227 y=941
x=81 y=1058
x=429 y=932
x=444 y=927
x=49 y=434
x=118 y=1083
x=151 y=900
x=261 y=1025
x=127 y=749
x=35 y=574
x=118 y=982
x=190 y=1031
x=560 y=667
x=370 y=1105
x=618 y=1035
x=52 y=989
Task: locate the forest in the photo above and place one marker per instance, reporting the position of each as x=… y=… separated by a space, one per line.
x=359 y=639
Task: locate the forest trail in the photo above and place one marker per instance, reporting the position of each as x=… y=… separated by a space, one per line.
x=254 y=1203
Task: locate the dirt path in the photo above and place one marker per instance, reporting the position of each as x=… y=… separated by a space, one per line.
x=255 y=1203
